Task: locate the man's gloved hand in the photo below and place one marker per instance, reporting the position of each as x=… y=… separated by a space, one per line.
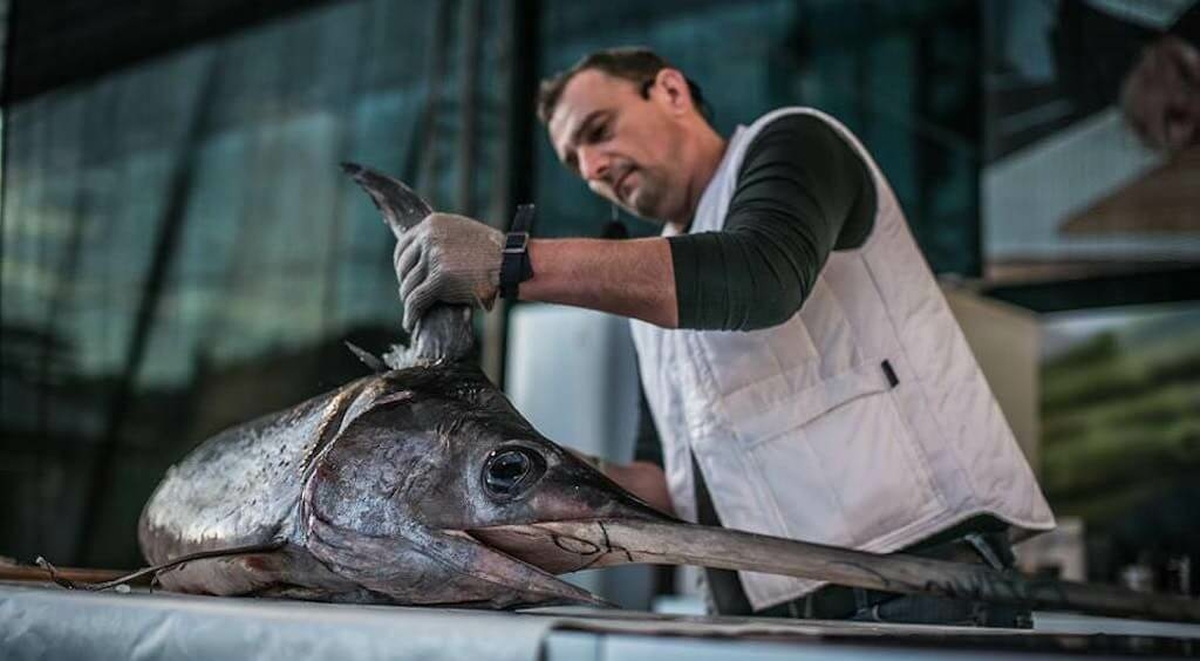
x=449 y=259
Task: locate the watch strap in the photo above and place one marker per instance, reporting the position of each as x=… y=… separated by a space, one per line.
x=515 y=267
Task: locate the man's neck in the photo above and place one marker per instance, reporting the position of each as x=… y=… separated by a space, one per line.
x=709 y=150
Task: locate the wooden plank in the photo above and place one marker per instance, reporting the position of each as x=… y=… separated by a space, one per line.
x=25 y=573
x=1165 y=200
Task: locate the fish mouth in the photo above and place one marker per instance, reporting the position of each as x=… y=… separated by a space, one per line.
x=561 y=547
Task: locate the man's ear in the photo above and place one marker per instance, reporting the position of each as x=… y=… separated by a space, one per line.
x=674 y=88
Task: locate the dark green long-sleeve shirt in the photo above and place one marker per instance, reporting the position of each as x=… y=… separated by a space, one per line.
x=801 y=192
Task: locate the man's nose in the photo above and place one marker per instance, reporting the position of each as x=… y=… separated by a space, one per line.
x=593 y=165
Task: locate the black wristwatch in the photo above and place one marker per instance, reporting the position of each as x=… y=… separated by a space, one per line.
x=514 y=261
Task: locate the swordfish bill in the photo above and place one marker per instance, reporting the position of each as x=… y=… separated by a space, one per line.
x=565 y=546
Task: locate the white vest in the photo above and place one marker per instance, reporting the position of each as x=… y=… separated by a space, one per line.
x=798 y=429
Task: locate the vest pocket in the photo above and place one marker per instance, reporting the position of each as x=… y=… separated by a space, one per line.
x=757 y=419
x=841 y=466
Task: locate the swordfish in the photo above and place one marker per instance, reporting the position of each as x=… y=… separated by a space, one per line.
x=423 y=485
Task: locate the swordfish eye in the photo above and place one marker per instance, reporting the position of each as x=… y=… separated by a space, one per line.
x=510 y=470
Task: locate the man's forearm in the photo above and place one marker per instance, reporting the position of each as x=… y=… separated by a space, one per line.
x=631 y=278
x=644 y=480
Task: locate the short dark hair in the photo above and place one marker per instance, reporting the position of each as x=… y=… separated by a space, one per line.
x=636 y=64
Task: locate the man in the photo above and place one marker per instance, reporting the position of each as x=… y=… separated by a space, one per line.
x=803 y=369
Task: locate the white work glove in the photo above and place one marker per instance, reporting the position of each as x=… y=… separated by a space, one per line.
x=449 y=259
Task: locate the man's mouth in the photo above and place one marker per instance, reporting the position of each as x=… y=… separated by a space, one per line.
x=619 y=186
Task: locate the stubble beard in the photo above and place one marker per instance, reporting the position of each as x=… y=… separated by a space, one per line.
x=647 y=199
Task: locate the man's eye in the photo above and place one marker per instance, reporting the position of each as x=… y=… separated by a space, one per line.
x=599 y=133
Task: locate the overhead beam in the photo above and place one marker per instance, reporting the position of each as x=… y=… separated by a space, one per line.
x=57 y=43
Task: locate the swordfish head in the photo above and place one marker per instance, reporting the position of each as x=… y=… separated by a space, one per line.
x=403 y=500
x=439 y=492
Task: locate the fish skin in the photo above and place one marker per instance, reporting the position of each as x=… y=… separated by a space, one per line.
x=239 y=488
x=370 y=490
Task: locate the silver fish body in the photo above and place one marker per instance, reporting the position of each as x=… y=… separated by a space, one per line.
x=371 y=493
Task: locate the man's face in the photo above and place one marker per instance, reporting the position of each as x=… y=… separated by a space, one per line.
x=624 y=146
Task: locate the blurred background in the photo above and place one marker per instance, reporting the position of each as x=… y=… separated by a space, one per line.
x=179 y=251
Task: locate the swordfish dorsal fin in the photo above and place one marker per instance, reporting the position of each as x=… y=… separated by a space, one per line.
x=400 y=205
x=444 y=334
